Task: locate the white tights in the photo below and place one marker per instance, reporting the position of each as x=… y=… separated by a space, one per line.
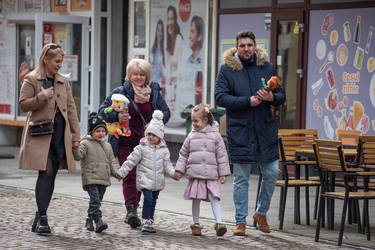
x=215 y=204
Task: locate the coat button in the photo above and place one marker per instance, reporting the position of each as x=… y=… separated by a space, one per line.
x=64 y=110
x=58 y=95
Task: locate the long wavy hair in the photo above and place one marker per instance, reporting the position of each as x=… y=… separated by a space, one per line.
x=154 y=46
x=171 y=41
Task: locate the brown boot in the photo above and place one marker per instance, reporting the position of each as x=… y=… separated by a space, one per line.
x=262 y=223
x=196 y=229
x=239 y=230
x=221 y=229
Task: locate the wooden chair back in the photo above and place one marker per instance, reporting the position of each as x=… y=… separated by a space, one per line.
x=367 y=150
x=349 y=138
x=291 y=140
x=329 y=155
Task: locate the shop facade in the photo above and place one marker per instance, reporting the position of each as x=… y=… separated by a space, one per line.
x=323 y=51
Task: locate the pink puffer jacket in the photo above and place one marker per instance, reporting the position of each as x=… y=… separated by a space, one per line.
x=203 y=155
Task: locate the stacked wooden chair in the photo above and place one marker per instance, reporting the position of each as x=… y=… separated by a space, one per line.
x=292 y=141
x=331 y=162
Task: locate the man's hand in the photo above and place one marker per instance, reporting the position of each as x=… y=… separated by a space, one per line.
x=265 y=95
x=255 y=101
x=47 y=92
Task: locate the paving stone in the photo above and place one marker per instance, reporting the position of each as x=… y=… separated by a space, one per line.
x=67 y=215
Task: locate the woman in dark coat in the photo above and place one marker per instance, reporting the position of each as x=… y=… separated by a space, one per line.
x=145 y=97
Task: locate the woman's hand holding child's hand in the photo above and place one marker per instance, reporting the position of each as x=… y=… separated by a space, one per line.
x=222 y=179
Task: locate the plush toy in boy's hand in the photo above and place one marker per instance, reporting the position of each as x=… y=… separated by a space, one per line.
x=272 y=83
x=119 y=104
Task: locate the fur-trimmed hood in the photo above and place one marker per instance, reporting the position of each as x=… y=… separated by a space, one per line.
x=231 y=59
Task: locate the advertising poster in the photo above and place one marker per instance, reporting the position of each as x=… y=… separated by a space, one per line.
x=177 y=53
x=341 y=72
x=7 y=70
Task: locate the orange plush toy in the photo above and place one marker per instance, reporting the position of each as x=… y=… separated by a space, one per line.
x=272 y=83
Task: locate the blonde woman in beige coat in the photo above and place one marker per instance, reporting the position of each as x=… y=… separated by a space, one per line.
x=47 y=97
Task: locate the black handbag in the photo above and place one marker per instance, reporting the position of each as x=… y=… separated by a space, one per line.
x=41 y=128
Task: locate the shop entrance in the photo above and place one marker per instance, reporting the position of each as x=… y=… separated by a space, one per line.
x=288 y=52
x=72 y=34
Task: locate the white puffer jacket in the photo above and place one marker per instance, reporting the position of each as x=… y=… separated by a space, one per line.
x=151 y=162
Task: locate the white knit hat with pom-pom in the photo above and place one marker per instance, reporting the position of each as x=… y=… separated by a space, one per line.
x=156 y=125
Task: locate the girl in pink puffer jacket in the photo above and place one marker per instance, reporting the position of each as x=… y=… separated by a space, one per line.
x=204 y=160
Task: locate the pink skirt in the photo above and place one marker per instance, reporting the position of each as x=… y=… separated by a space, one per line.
x=198 y=189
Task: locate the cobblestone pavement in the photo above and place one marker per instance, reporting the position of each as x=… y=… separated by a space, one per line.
x=67 y=216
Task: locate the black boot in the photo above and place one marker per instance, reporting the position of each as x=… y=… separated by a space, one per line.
x=89 y=224
x=42 y=226
x=100 y=225
x=132 y=216
x=33 y=227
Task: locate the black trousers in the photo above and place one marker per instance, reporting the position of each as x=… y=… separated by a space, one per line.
x=96 y=193
x=45 y=185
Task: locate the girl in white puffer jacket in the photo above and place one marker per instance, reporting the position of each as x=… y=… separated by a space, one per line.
x=152 y=159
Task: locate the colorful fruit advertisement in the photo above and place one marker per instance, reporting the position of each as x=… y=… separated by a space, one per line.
x=341 y=71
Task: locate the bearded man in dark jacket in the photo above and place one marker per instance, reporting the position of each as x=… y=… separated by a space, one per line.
x=251 y=129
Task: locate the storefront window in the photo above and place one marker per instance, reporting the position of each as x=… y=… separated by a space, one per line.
x=26 y=54
x=335 y=1
x=27 y=6
x=103 y=59
x=290 y=1
x=229 y=4
x=139 y=25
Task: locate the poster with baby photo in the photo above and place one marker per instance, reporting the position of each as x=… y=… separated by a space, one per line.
x=178 y=45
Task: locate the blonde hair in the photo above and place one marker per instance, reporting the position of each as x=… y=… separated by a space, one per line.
x=49 y=51
x=203 y=110
x=139 y=64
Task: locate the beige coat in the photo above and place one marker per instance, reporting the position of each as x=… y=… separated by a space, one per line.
x=34 y=149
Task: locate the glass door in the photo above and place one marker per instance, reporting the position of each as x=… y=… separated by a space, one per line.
x=290 y=67
x=71 y=33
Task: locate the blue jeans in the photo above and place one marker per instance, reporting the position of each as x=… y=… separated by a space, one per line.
x=149 y=203
x=241 y=174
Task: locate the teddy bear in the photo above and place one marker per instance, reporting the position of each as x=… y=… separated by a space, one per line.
x=119 y=104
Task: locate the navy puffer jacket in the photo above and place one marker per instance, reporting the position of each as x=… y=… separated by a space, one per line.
x=157 y=102
x=252 y=132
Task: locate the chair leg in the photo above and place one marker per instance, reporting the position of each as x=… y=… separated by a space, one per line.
x=256 y=200
x=316 y=202
x=343 y=217
x=281 y=200
x=307 y=197
x=365 y=204
x=283 y=208
x=297 y=209
x=320 y=215
x=358 y=216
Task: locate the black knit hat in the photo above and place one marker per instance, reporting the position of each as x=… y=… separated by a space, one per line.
x=96 y=121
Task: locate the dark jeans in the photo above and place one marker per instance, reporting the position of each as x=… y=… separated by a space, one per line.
x=129 y=184
x=96 y=193
x=149 y=203
x=45 y=185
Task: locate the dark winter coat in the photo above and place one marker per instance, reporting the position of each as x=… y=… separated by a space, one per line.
x=157 y=102
x=251 y=131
